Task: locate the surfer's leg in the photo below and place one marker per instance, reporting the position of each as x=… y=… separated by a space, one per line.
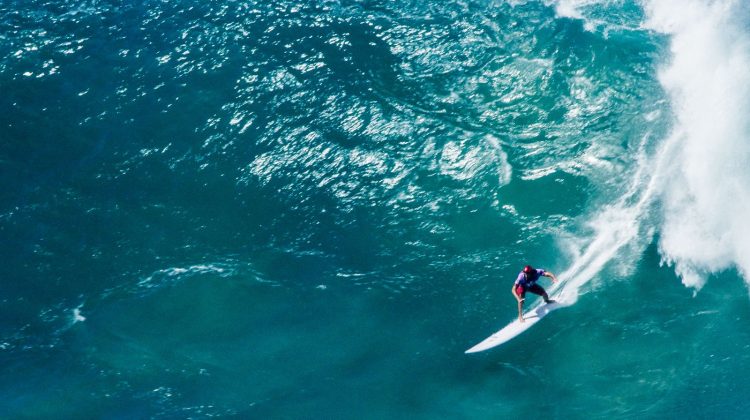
x=539 y=290
x=522 y=294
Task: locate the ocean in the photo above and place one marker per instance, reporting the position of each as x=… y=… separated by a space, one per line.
x=311 y=209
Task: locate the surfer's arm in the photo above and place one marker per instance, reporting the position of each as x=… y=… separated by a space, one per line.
x=550 y=275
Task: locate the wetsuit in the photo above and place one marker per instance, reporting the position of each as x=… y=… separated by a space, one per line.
x=527 y=283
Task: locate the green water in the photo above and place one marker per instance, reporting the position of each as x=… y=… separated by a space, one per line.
x=312 y=209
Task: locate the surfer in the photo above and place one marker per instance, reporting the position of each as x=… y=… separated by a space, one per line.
x=526 y=282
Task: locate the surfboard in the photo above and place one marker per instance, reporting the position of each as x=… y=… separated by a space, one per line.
x=516 y=327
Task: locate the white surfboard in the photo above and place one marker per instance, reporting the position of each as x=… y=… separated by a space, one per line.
x=515 y=328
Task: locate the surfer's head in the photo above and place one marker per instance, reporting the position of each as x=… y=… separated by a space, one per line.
x=528 y=269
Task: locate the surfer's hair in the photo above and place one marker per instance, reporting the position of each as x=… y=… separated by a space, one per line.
x=528 y=269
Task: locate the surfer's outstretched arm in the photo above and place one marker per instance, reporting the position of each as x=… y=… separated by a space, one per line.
x=550 y=275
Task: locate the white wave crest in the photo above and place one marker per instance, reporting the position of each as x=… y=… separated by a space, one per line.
x=705 y=226
x=695 y=187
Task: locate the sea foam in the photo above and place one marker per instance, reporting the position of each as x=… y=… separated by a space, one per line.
x=704 y=226
x=696 y=179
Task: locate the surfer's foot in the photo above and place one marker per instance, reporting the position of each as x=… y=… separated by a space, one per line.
x=549 y=301
x=520 y=320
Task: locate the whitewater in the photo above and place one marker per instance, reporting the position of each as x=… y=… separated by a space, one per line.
x=695 y=179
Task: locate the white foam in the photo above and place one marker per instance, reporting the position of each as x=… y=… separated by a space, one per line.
x=700 y=174
x=569 y=9
x=575 y=9
x=77 y=317
x=705 y=228
x=504 y=169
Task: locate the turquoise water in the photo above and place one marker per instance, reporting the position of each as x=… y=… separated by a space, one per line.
x=312 y=209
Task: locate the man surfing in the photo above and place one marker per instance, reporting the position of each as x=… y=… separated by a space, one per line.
x=526 y=282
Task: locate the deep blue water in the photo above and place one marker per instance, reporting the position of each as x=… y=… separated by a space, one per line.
x=311 y=209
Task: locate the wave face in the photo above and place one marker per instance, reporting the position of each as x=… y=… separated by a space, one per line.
x=299 y=209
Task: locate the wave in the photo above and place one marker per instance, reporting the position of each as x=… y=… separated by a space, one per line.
x=704 y=227
x=693 y=188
